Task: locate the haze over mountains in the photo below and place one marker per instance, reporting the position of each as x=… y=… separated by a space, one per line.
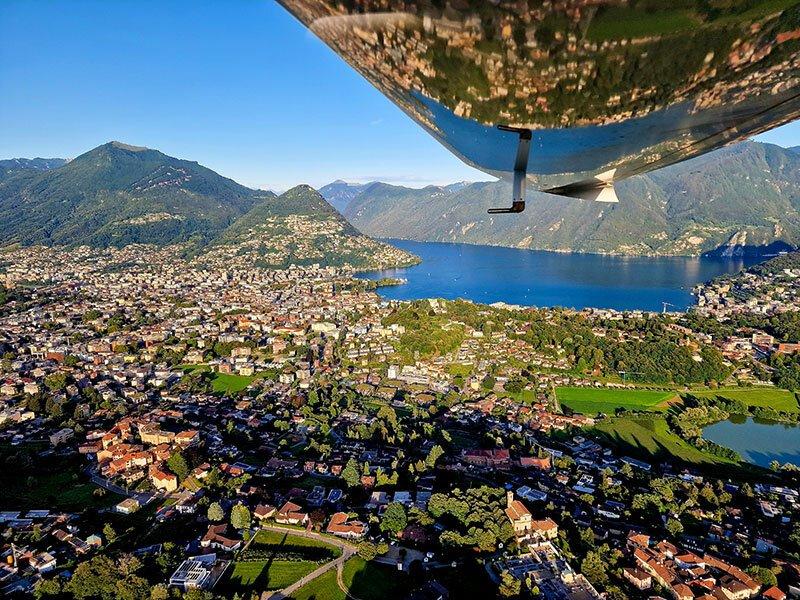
x=117 y=194
x=741 y=199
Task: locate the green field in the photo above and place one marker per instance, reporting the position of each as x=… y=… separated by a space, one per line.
x=56 y=491
x=366 y=581
x=228 y=383
x=279 y=540
x=526 y=396
x=615 y=23
x=224 y=383
x=264 y=565
x=53 y=482
x=266 y=575
x=323 y=587
x=591 y=401
x=650 y=438
x=782 y=400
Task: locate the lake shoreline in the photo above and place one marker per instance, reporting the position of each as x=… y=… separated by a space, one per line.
x=760 y=256
x=488 y=274
x=745 y=435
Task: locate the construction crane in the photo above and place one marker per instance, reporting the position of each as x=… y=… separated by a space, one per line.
x=664 y=306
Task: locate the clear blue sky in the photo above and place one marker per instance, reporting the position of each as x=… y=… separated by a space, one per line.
x=237 y=85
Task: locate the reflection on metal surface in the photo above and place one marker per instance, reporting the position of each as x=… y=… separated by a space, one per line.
x=609 y=88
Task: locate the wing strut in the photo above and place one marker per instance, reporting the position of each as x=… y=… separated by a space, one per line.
x=520 y=171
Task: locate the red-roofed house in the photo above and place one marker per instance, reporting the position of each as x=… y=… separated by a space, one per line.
x=291 y=514
x=339 y=525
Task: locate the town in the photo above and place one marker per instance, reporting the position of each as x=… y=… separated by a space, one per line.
x=208 y=427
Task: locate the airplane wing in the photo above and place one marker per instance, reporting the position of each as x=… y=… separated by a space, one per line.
x=606 y=89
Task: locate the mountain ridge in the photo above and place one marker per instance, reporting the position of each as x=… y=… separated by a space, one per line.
x=738 y=200
x=119 y=194
x=12 y=166
x=340 y=193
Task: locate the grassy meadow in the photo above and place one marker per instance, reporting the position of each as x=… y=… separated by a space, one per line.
x=591 y=401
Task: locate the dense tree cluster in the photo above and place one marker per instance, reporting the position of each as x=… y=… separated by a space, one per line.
x=473 y=518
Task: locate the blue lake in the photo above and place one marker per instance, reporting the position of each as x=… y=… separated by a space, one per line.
x=758 y=442
x=534 y=278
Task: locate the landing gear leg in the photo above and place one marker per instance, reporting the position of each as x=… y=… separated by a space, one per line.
x=520 y=171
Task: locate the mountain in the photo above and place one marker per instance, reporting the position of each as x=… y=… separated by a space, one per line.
x=340 y=193
x=118 y=194
x=458 y=185
x=11 y=166
x=299 y=227
x=740 y=199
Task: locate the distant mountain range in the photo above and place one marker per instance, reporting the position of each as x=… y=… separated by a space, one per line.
x=117 y=194
x=742 y=199
x=340 y=193
x=12 y=166
x=738 y=200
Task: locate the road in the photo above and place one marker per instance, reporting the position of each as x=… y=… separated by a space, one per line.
x=347 y=549
x=141 y=497
x=340 y=583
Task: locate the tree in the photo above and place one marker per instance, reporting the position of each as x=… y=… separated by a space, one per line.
x=317 y=518
x=105 y=579
x=197 y=594
x=587 y=537
x=47 y=588
x=594 y=569
x=394 y=518
x=215 y=512
x=434 y=455
x=159 y=592
x=367 y=550
x=170 y=556
x=240 y=517
x=674 y=526
x=485 y=539
x=37 y=534
x=109 y=533
x=510 y=586
x=763 y=575
x=56 y=381
x=177 y=464
x=350 y=473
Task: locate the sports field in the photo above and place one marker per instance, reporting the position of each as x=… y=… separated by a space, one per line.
x=229 y=383
x=590 y=401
